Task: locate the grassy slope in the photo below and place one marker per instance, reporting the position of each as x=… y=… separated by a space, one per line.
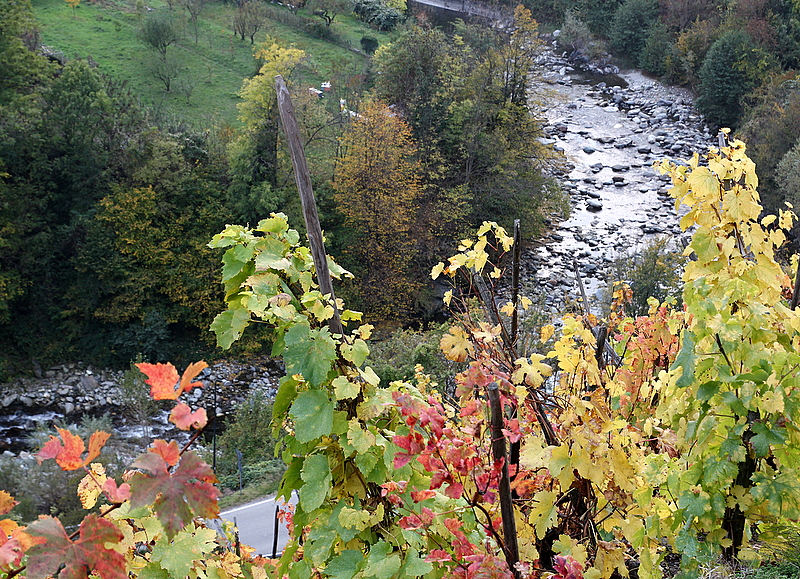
x=215 y=65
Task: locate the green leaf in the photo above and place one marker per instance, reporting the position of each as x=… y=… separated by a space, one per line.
x=310 y=352
x=235 y=259
x=345 y=565
x=287 y=392
x=316 y=475
x=381 y=564
x=707 y=390
x=319 y=544
x=414 y=565
x=685 y=359
x=694 y=503
x=291 y=480
x=781 y=493
x=229 y=325
x=356 y=353
x=178 y=556
x=153 y=571
x=344 y=388
x=765 y=436
x=312 y=412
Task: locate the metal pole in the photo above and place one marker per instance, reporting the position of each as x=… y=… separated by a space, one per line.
x=275 y=534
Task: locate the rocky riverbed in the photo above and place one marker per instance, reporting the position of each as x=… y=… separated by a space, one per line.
x=612 y=128
x=65 y=393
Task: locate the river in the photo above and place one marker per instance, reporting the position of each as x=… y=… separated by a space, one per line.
x=611 y=129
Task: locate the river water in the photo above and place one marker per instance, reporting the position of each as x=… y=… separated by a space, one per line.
x=611 y=129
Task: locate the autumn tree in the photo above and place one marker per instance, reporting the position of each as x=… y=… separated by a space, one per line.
x=73 y=4
x=377 y=185
x=254 y=152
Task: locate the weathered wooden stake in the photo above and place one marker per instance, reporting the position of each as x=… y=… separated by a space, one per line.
x=302 y=177
x=515 y=282
x=510 y=546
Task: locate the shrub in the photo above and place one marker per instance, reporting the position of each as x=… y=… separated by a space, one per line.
x=250 y=433
x=630 y=26
x=655 y=271
x=369 y=44
x=376 y=13
x=733 y=66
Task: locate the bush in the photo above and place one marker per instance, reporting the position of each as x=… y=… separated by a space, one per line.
x=250 y=433
x=733 y=66
x=658 y=51
x=396 y=357
x=630 y=26
x=369 y=44
x=655 y=272
x=376 y=13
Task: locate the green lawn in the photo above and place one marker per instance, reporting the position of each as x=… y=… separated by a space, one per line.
x=212 y=68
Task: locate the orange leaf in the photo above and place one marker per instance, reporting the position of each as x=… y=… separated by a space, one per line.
x=96 y=443
x=183 y=417
x=7 y=502
x=69 y=449
x=169 y=452
x=162 y=379
x=190 y=373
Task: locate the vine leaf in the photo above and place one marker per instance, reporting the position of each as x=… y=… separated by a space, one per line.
x=7 y=502
x=183 y=417
x=310 y=352
x=175 y=497
x=171 y=453
x=313 y=413
x=162 y=379
x=88 y=555
x=68 y=450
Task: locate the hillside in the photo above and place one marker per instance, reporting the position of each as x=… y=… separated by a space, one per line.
x=210 y=70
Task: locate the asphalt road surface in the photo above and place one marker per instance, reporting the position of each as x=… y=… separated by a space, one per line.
x=256 y=524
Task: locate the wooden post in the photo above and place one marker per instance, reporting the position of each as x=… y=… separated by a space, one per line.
x=515 y=282
x=510 y=546
x=302 y=177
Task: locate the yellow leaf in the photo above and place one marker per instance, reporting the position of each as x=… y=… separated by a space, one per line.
x=437 y=270
x=531 y=371
x=507 y=309
x=547 y=332
x=90 y=487
x=545 y=512
x=455 y=345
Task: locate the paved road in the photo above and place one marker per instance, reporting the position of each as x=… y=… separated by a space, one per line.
x=256 y=524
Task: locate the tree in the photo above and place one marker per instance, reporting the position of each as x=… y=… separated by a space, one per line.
x=630 y=26
x=329 y=9
x=733 y=66
x=249 y=18
x=73 y=4
x=166 y=70
x=377 y=189
x=159 y=32
x=195 y=8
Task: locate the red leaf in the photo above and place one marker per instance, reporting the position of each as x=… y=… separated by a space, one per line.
x=116 y=494
x=162 y=379
x=171 y=453
x=418 y=496
x=69 y=450
x=10 y=553
x=438 y=556
x=176 y=497
x=183 y=417
x=88 y=555
x=7 y=502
